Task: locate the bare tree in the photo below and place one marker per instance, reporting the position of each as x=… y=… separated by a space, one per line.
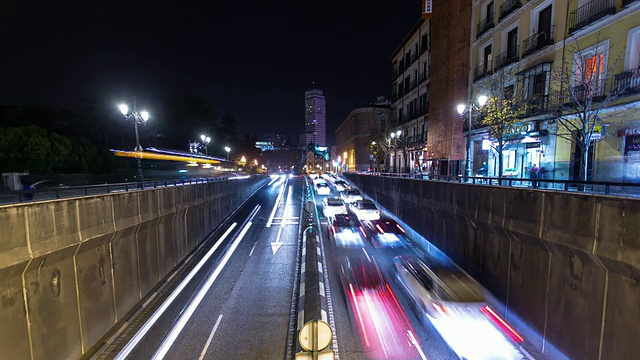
x=583 y=95
x=499 y=114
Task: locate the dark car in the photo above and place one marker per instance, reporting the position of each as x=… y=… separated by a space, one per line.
x=345 y=233
x=386 y=233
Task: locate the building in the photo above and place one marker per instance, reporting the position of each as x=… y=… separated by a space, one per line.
x=355 y=134
x=526 y=51
x=281 y=152
x=315 y=117
x=410 y=99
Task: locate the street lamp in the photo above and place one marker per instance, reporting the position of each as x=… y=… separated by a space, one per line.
x=137 y=117
x=227 y=149
x=482 y=100
x=205 y=142
x=395 y=136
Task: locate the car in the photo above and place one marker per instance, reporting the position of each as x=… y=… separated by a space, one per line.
x=386 y=233
x=455 y=304
x=340 y=185
x=383 y=326
x=313 y=175
x=345 y=233
x=350 y=195
x=332 y=206
x=365 y=210
x=322 y=188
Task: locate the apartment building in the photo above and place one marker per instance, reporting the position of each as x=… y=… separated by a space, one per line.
x=410 y=99
x=530 y=51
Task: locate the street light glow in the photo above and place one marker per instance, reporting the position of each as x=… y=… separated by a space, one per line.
x=207 y=140
x=144 y=115
x=482 y=99
x=373 y=143
x=398 y=133
x=393 y=135
x=227 y=149
x=202 y=137
x=124 y=109
x=461 y=108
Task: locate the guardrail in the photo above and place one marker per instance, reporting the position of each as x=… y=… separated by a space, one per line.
x=594 y=187
x=20 y=196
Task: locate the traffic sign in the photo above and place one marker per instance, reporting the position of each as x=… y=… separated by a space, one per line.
x=315 y=335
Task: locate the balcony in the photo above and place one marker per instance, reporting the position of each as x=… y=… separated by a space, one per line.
x=590 y=13
x=483 y=70
x=626 y=3
x=424 y=76
x=626 y=83
x=424 y=47
x=536 y=105
x=414 y=84
x=395 y=73
x=508 y=7
x=508 y=57
x=424 y=110
x=414 y=57
x=485 y=25
x=537 y=42
x=401 y=91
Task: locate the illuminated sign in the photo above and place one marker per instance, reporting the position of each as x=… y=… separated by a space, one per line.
x=426 y=9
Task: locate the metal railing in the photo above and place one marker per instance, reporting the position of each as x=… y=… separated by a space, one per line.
x=12 y=197
x=508 y=7
x=590 y=187
x=626 y=3
x=483 y=70
x=424 y=76
x=627 y=82
x=537 y=42
x=485 y=24
x=589 y=13
x=508 y=57
x=414 y=83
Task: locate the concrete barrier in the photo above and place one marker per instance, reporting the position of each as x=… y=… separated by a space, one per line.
x=72 y=269
x=568 y=264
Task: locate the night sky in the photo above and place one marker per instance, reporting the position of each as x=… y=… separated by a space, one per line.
x=250 y=59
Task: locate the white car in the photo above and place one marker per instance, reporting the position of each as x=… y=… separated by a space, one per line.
x=322 y=188
x=332 y=206
x=340 y=185
x=351 y=195
x=365 y=210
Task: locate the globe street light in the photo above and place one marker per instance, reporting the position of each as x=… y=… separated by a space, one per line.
x=482 y=100
x=136 y=117
x=205 y=142
x=395 y=136
x=227 y=149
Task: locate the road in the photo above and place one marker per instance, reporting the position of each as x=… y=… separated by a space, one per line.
x=238 y=302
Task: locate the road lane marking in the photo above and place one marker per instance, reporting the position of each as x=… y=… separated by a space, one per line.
x=253 y=248
x=415 y=343
x=186 y=315
x=143 y=331
x=366 y=254
x=275 y=206
x=206 y=346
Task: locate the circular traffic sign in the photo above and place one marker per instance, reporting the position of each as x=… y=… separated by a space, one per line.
x=318 y=330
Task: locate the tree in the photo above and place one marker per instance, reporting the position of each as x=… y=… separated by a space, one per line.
x=499 y=114
x=583 y=96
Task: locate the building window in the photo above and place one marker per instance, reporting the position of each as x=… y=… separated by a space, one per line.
x=632 y=58
x=509 y=92
x=590 y=71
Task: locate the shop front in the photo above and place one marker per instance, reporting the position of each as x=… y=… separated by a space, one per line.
x=524 y=150
x=631 y=157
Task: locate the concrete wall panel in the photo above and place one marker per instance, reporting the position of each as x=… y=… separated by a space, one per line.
x=95 y=289
x=14 y=336
x=180 y=231
x=570 y=220
x=97 y=216
x=576 y=296
x=126 y=209
x=494 y=273
x=13 y=236
x=149 y=204
x=53 y=225
x=147 y=237
x=167 y=256
x=622 y=332
x=124 y=252
x=53 y=306
x=619 y=230
x=525 y=211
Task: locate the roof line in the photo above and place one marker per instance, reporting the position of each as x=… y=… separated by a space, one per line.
x=406 y=38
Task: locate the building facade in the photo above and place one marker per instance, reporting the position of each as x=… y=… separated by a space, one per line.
x=534 y=52
x=315 y=117
x=354 y=137
x=410 y=100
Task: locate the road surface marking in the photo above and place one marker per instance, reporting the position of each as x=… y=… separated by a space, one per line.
x=366 y=254
x=253 y=248
x=415 y=343
x=275 y=206
x=213 y=332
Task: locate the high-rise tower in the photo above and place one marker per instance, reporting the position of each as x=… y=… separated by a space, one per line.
x=315 y=118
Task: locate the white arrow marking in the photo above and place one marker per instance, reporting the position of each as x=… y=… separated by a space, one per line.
x=276 y=245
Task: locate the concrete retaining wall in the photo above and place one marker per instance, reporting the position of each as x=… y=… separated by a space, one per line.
x=568 y=264
x=71 y=269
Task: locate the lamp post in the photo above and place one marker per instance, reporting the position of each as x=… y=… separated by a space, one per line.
x=205 y=142
x=482 y=100
x=227 y=149
x=395 y=136
x=137 y=117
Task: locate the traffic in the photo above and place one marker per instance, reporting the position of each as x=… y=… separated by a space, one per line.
x=398 y=301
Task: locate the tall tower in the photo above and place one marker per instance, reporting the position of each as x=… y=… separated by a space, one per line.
x=315 y=117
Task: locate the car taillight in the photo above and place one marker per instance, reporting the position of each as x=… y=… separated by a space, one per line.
x=362 y=231
x=379 y=229
x=333 y=229
x=442 y=310
x=400 y=227
x=502 y=324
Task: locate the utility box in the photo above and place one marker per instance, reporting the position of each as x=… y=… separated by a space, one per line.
x=13 y=181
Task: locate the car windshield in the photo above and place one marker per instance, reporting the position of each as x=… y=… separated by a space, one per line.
x=322 y=185
x=352 y=192
x=367 y=205
x=389 y=227
x=342 y=221
x=334 y=202
x=340 y=182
